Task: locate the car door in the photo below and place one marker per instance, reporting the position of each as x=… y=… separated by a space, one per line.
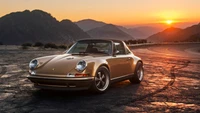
x=120 y=62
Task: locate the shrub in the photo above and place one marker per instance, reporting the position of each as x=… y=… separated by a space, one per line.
x=62 y=47
x=70 y=45
x=24 y=47
x=38 y=44
x=139 y=41
x=27 y=44
x=50 y=45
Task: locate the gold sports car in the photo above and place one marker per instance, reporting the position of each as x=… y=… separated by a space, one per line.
x=88 y=64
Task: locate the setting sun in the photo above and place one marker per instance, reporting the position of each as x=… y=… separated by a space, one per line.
x=169 y=22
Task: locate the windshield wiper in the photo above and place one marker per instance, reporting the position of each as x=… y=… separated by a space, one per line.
x=86 y=53
x=80 y=53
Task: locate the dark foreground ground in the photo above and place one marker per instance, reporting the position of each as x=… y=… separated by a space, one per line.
x=171 y=84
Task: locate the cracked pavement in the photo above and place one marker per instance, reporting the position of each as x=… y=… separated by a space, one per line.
x=171 y=84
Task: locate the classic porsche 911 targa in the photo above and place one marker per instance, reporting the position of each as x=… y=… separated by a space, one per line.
x=88 y=64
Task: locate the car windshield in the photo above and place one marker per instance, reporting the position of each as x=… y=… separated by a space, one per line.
x=91 y=46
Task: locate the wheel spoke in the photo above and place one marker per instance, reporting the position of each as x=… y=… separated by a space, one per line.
x=102 y=83
x=103 y=76
x=97 y=79
x=99 y=74
x=98 y=84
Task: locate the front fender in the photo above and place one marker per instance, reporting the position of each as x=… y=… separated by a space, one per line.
x=95 y=64
x=43 y=60
x=136 y=59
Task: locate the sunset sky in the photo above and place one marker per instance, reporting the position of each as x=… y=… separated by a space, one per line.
x=121 y=12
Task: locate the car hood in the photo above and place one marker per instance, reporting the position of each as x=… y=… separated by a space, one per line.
x=60 y=64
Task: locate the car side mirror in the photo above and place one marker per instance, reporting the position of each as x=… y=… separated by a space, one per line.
x=116 y=52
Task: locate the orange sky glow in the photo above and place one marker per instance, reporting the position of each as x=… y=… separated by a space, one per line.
x=121 y=12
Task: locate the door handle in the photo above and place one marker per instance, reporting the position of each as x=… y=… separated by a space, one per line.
x=128 y=59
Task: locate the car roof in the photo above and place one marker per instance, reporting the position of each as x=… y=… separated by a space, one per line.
x=95 y=39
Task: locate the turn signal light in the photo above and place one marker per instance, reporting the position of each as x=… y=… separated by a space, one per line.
x=81 y=75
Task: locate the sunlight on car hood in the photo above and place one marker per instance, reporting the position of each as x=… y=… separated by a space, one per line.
x=59 y=64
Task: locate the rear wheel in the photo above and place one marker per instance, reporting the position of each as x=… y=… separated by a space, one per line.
x=138 y=74
x=101 y=80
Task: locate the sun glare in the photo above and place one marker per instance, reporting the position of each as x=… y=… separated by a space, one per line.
x=169 y=22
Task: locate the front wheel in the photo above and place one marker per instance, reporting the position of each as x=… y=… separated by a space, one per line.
x=138 y=74
x=101 y=80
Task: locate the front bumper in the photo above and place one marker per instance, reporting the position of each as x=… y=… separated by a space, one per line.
x=58 y=83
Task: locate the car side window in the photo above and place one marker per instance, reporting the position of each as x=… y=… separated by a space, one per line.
x=120 y=48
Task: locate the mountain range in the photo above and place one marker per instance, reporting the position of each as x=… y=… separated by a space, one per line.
x=98 y=29
x=37 y=26
x=109 y=31
x=173 y=34
x=141 y=32
x=88 y=24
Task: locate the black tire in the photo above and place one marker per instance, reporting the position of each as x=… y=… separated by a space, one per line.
x=101 y=80
x=138 y=74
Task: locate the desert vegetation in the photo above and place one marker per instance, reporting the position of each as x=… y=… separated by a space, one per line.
x=38 y=44
x=44 y=46
x=139 y=41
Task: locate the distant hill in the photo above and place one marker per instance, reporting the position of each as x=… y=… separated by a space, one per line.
x=88 y=24
x=37 y=26
x=166 y=35
x=190 y=33
x=141 y=32
x=73 y=30
x=109 y=31
x=176 y=34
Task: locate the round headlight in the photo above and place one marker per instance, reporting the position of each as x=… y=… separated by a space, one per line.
x=33 y=64
x=81 y=65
